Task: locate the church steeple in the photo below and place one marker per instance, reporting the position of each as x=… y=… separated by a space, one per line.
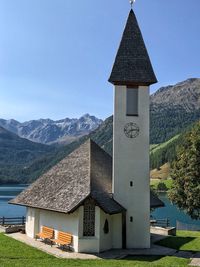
x=132 y=75
x=132 y=64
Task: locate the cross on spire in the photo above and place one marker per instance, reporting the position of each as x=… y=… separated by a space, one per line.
x=131 y=2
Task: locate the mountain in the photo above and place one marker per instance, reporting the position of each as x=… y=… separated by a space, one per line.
x=173 y=109
x=16 y=154
x=184 y=95
x=47 y=131
x=102 y=135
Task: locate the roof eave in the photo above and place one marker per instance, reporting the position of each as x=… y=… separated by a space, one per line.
x=37 y=207
x=54 y=210
x=157 y=206
x=132 y=84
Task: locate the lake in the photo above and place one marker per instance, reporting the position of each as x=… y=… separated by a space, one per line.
x=172 y=212
x=8 y=192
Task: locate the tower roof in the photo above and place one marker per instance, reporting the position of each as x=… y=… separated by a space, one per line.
x=132 y=64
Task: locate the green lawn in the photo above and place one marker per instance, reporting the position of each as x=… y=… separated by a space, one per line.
x=16 y=254
x=185 y=240
x=168 y=183
x=155 y=147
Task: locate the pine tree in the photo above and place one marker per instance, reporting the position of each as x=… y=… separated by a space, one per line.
x=185 y=192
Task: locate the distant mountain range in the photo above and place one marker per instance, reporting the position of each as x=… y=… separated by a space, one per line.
x=47 y=131
x=173 y=110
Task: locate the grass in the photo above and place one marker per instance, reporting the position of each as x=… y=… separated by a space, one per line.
x=185 y=240
x=155 y=147
x=161 y=176
x=152 y=147
x=16 y=254
x=168 y=183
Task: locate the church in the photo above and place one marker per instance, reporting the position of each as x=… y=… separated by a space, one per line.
x=104 y=201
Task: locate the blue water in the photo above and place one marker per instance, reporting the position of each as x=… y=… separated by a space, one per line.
x=7 y=192
x=172 y=212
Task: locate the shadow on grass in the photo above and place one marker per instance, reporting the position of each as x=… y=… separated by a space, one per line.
x=175 y=242
x=143 y=258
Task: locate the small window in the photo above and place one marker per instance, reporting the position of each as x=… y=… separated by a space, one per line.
x=89 y=218
x=132 y=102
x=106 y=227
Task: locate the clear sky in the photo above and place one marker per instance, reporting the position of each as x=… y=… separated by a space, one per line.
x=56 y=55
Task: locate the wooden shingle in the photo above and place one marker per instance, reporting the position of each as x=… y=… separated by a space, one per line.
x=132 y=64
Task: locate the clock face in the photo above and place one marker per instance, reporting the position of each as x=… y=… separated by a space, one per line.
x=131 y=130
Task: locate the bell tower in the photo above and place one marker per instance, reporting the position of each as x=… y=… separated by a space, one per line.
x=132 y=74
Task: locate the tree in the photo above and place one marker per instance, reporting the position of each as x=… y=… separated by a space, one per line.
x=161 y=186
x=185 y=192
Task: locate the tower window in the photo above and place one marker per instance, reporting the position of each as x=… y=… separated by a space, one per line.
x=132 y=102
x=89 y=218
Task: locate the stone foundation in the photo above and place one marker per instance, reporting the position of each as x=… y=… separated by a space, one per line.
x=163 y=231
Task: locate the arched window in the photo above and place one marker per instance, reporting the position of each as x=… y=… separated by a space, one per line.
x=89 y=218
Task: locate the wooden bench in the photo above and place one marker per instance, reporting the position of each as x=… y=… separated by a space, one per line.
x=63 y=239
x=46 y=233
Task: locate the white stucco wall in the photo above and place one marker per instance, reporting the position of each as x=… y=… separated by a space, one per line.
x=131 y=163
x=61 y=222
x=105 y=239
x=73 y=223
x=101 y=241
x=89 y=244
x=117 y=231
x=32 y=222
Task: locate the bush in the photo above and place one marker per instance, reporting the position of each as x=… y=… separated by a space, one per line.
x=162 y=186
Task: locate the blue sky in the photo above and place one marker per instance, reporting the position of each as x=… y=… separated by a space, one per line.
x=56 y=55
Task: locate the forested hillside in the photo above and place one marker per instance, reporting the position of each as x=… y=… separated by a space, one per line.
x=165 y=152
x=102 y=136
x=159 y=154
x=16 y=154
x=173 y=110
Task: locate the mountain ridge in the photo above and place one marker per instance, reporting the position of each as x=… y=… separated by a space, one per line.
x=185 y=94
x=173 y=108
x=166 y=121
x=47 y=131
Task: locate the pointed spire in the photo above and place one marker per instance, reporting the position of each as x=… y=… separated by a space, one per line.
x=132 y=64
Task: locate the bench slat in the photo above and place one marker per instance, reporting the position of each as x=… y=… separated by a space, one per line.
x=46 y=233
x=63 y=239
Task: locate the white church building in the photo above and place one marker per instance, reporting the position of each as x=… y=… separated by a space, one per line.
x=104 y=201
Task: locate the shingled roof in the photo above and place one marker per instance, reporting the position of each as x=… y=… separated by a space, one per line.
x=132 y=64
x=155 y=202
x=86 y=172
